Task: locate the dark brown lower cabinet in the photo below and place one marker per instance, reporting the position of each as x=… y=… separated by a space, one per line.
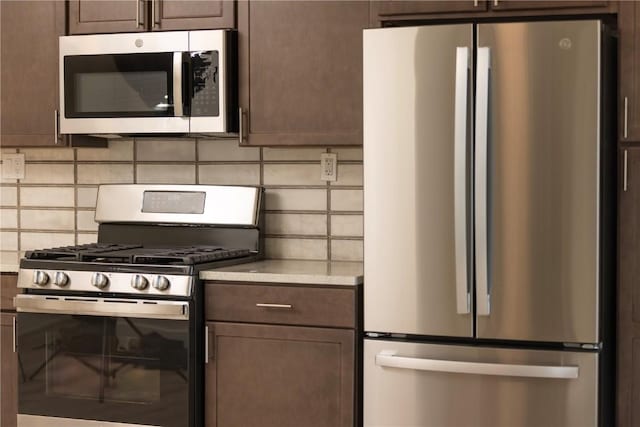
x=279 y=376
x=628 y=410
x=8 y=372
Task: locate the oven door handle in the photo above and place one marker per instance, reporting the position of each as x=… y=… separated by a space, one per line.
x=145 y=309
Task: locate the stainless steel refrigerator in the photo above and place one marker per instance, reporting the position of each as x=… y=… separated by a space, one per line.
x=489 y=198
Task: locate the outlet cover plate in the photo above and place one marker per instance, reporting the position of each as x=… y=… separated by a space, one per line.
x=13 y=166
x=328 y=166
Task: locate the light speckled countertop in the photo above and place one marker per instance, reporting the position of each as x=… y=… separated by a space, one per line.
x=9 y=268
x=290 y=271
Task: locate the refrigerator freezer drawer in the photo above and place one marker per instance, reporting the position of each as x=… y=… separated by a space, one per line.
x=431 y=385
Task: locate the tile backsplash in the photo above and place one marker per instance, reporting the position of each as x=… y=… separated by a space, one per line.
x=305 y=218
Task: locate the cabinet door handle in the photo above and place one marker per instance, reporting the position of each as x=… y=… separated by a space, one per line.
x=268 y=305
x=495 y=2
x=206 y=344
x=475 y=3
x=153 y=13
x=56 y=139
x=138 y=22
x=15 y=346
x=240 y=127
x=625 y=171
x=626 y=117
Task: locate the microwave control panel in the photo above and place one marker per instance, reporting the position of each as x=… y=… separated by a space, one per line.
x=206 y=82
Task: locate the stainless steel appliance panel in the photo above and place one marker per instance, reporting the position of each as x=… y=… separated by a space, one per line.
x=417 y=188
x=537 y=221
x=408 y=385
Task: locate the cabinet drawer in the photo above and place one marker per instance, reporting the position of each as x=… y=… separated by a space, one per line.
x=289 y=305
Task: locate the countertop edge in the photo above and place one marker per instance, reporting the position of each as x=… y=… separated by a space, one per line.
x=310 y=279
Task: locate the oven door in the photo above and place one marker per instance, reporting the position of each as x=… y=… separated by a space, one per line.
x=103 y=362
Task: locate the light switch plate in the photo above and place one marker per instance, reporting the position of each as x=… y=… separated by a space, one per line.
x=13 y=166
x=328 y=166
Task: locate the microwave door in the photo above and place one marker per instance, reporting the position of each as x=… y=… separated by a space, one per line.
x=124 y=93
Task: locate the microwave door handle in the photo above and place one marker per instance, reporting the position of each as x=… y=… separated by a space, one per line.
x=177 y=84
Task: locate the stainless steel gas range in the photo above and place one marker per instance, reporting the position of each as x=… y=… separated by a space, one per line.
x=112 y=334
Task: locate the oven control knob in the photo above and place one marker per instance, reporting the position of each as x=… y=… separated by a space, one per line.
x=61 y=279
x=161 y=283
x=139 y=282
x=40 y=278
x=99 y=280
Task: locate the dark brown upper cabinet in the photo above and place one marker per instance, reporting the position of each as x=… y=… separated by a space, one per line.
x=628 y=321
x=300 y=64
x=629 y=81
x=121 y=16
x=385 y=11
x=29 y=101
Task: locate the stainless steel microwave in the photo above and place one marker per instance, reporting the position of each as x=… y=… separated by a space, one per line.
x=177 y=82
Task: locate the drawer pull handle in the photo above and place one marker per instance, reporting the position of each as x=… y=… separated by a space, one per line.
x=266 y=305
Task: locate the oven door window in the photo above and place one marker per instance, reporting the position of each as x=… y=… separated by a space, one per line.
x=118 y=85
x=113 y=369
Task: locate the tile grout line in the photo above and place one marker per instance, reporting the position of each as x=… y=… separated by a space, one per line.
x=197 y=160
x=75 y=196
x=134 y=159
x=18 y=210
x=328 y=150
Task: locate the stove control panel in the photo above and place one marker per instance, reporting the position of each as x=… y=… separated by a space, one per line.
x=105 y=281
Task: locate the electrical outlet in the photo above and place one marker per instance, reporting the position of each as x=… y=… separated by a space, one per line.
x=13 y=166
x=328 y=166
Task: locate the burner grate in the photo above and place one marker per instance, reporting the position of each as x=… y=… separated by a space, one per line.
x=78 y=252
x=189 y=255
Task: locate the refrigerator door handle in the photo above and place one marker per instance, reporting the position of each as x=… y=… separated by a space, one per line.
x=388 y=359
x=481 y=178
x=463 y=300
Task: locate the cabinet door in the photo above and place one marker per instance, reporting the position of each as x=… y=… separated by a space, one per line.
x=279 y=376
x=8 y=373
x=301 y=71
x=29 y=71
x=192 y=15
x=629 y=290
x=106 y=16
x=547 y=4
x=629 y=106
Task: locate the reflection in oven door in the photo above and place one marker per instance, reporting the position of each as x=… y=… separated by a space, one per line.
x=113 y=369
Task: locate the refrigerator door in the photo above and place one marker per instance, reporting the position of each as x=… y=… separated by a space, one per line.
x=537 y=181
x=427 y=385
x=417 y=153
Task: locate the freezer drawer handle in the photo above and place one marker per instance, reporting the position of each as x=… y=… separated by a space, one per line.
x=269 y=305
x=388 y=359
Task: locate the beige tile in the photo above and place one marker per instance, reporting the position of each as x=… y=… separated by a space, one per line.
x=47 y=196
x=37 y=219
x=292 y=174
x=347 y=225
x=296 y=248
x=348 y=175
x=311 y=154
x=166 y=174
x=8 y=218
x=346 y=200
x=6 y=180
x=8 y=196
x=238 y=174
x=86 y=222
x=85 y=238
x=347 y=250
x=7 y=151
x=47 y=154
x=107 y=173
x=118 y=150
x=168 y=150
x=87 y=197
x=48 y=173
x=210 y=150
x=9 y=260
x=298 y=224
x=348 y=153
x=30 y=241
x=295 y=199
x=8 y=241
